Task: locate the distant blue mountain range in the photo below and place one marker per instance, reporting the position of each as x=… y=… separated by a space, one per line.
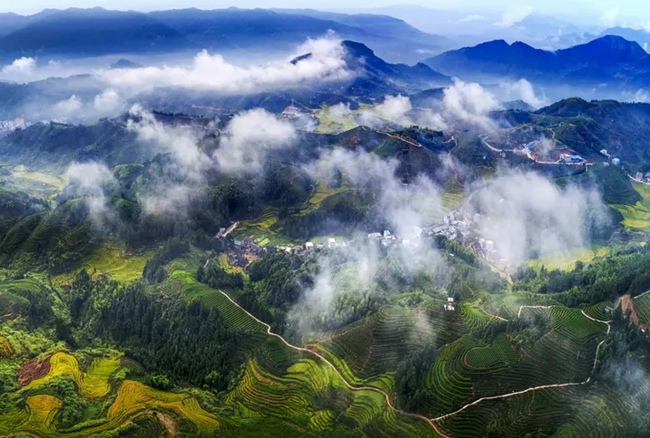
x=95 y=32
x=609 y=61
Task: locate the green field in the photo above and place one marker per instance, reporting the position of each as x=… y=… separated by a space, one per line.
x=332 y=124
x=638 y=215
x=114 y=261
x=568 y=261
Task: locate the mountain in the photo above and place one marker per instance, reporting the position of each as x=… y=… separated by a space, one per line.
x=639 y=35
x=373 y=79
x=395 y=77
x=609 y=60
x=623 y=129
x=91 y=32
x=391 y=32
x=96 y=32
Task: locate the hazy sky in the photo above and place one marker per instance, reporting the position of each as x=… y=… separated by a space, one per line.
x=607 y=10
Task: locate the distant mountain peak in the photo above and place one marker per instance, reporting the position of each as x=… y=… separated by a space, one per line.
x=357 y=49
x=610 y=48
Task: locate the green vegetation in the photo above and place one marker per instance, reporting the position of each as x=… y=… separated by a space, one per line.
x=114 y=261
x=140 y=326
x=637 y=216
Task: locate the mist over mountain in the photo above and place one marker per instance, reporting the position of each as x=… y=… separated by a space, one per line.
x=290 y=223
x=97 y=32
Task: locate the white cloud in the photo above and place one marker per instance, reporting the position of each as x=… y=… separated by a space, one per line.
x=469 y=103
x=522 y=90
x=109 y=102
x=609 y=18
x=528 y=215
x=243 y=148
x=20 y=69
x=67 y=109
x=181 y=142
x=462 y=103
x=213 y=72
x=249 y=137
x=394 y=108
x=472 y=18
x=403 y=207
x=514 y=16
x=92 y=181
x=339 y=111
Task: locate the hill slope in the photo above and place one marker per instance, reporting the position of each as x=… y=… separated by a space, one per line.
x=611 y=60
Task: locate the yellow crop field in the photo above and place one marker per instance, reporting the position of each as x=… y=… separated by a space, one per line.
x=42 y=409
x=134 y=397
x=93 y=384
x=113 y=261
x=6 y=349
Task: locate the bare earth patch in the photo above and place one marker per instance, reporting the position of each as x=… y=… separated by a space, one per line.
x=627 y=304
x=33 y=369
x=168 y=422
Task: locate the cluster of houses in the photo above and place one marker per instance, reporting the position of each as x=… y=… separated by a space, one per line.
x=639 y=176
x=450 y=304
x=455 y=225
x=615 y=161
x=388 y=239
x=243 y=252
x=291 y=112
x=311 y=246
x=571 y=159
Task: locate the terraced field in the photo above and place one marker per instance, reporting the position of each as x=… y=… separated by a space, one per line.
x=114 y=261
x=6 y=349
x=567 y=262
x=313 y=395
x=42 y=409
x=467 y=370
x=637 y=216
x=91 y=384
x=601 y=311
x=496 y=355
x=642 y=308
x=321 y=192
x=233 y=316
x=373 y=349
x=578 y=410
x=134 y=397
x=133 y=401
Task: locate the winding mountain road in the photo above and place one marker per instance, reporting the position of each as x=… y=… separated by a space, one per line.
x=431 y=421
x=337 y=372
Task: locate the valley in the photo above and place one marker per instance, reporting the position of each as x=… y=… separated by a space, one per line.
x=365 y=236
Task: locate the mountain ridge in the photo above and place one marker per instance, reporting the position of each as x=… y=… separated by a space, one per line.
x=610 y=60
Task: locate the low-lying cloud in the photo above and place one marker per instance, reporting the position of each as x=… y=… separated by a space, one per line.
x=93 y=182
x=527 y=215
x=19 y=70
x=405 y=208
x=522 y=90
x=243 y=149
x=462 y=103
x=212 y=72
x=249 y=138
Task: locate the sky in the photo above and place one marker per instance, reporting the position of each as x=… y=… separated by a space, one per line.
x=586 y=13
x=599 y=7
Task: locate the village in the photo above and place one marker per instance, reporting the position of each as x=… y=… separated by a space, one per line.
x=458 y=225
